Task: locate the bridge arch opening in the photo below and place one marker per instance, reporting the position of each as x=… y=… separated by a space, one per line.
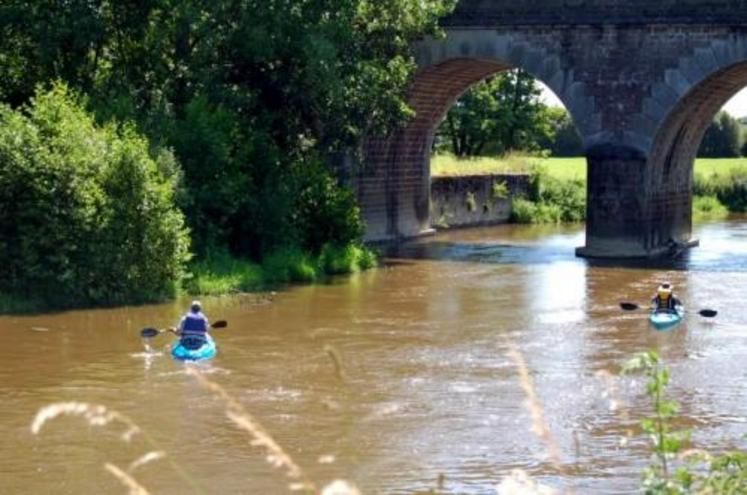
x=676 y=144
x=394 y=186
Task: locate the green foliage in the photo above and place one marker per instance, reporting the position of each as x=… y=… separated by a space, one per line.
x=325 y=212
x=671 y=471
x=729 y=188
x=499 y=190
x=252 y=96
x=501 y=114
x=345 y=259
x=289 y=265
x=708 y=208
x=565 y=139
x=220 y=273
x=551 y=200
x=723 y=138
x=87 y=215
x=525 y=211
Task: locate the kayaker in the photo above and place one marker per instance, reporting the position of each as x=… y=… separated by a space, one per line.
x=665 y=300
x=193 y=327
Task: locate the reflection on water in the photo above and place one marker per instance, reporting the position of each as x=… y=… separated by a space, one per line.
x=394 y=377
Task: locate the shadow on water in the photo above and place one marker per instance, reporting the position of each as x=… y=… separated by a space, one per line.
x=723 y=249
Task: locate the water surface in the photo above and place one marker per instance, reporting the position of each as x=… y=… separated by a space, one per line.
x=427 y=387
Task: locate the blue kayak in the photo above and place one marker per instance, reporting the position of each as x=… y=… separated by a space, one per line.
x=664 y=320
x=205 y=351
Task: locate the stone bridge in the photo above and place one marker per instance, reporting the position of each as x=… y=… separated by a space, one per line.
x=642 y=80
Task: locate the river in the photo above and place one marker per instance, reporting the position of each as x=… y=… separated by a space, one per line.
x=394 y=377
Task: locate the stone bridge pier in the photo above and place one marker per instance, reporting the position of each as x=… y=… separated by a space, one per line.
x=642 y=81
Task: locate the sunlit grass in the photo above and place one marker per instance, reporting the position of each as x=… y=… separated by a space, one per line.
x=708 y=208
x=560 y=168
x=97 y=415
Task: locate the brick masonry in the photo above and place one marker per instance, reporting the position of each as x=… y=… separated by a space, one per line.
x=642 y=81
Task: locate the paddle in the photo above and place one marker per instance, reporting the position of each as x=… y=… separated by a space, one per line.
x=153 y=332
x=706 y=313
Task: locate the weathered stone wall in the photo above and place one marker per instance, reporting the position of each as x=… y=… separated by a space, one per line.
x=474 y=200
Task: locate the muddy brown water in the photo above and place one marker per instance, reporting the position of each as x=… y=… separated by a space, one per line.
x=426 y=387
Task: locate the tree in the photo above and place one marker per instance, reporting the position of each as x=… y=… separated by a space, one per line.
x=566 y=141
x=88 y=215
x=722 y=138
x=250 y=94
x=501 y=114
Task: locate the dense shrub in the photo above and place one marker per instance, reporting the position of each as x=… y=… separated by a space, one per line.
x=708 y=208
x=87 y=216
x=551 y=200
x=730 y=189
x=324 y=211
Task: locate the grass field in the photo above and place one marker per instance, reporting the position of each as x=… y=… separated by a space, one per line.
x=560 y=168
x=720 y=185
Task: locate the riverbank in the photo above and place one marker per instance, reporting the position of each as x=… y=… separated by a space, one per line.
x=223 y=274
x=558 y=192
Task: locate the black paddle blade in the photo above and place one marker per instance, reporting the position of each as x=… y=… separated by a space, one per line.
x=149 y=332
x=708 y=313
x=629 y=306
x=220 y=324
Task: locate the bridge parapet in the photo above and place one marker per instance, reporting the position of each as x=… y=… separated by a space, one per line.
x=493 y=13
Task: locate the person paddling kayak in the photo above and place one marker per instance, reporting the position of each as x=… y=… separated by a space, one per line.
x=193 y=327
x=665 y=301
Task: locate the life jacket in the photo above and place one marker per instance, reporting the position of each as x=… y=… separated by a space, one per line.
x=662 y=303
x=194 y=328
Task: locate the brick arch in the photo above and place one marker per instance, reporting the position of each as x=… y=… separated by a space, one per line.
x=394 y=188
x=395 y=191
x=541 y=60
x=675 y=143
x=678 y=138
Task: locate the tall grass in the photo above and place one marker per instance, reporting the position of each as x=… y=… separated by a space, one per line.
x=260 y=438
x=708 y=208
x=99 y=415
x=728 y=185
x=551 y=200
x=222 y=273
x=567 y=168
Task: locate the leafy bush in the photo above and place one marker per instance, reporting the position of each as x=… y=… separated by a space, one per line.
x=220 y=273
x=730 y=189
x=674 y=470
x=325 y=211
x=551 y=200
x=708 y=208
x=289 y=265
x=345 y=259
x=87 y=216
x=525 y=211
